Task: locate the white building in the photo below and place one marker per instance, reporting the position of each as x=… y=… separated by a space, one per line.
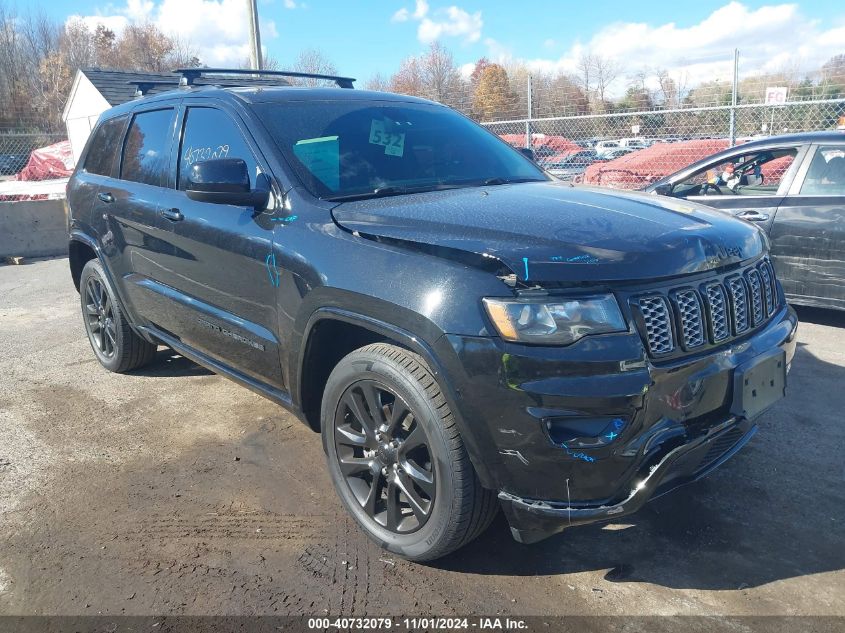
x=95 y=90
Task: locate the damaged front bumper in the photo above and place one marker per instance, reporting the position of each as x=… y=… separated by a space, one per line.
x=592 y=431
x=534 y=520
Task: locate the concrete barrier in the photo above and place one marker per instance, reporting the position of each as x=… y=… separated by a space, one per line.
x=33 y=228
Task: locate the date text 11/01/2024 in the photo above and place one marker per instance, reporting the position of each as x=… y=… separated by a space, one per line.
x=416 y=623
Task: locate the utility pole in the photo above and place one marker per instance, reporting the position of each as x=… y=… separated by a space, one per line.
x=528 y=120
x=254 y=35
x=734 y=91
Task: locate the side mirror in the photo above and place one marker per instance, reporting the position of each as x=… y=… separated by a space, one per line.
x=664 y=189
x=528 y=153
x=224 y=181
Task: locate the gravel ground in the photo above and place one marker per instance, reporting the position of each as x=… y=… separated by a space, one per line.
x=175 y=491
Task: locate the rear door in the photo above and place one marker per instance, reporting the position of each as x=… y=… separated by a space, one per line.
x=129 y=222
x=808 y=233
x=97 y=168
x=222 y=287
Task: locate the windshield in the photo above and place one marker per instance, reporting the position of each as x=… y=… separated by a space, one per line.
x=353 y=149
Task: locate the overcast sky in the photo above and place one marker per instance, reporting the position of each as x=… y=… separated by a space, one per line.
x=365 y=37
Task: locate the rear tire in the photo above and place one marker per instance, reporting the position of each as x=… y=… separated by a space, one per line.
x=115 y=344
x=396 y=458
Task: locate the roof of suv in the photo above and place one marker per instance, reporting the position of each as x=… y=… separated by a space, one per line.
x=270 y=94
x=796 y=138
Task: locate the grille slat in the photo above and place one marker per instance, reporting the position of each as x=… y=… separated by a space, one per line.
x=687 y=318
x=770 y=293
x=720 y=327
x=758 y=311
x=657 y=324
x=690 y=318
x=739 y=303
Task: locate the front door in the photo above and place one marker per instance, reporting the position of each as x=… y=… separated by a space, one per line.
x=223 y=289
x=749 y=185
x=808 y=234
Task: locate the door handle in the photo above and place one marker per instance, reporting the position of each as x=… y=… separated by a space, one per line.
x=174 y=215
x=105 y=197
x=753 y=216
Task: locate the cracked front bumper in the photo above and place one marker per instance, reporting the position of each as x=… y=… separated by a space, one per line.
x=533 y=520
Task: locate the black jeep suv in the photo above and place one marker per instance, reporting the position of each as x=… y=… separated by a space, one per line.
x=465 y=333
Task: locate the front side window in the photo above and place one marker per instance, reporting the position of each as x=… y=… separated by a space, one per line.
x=209 y=134
x=347 y=149
x=147 y=147
x=826 y=175
x=105 y=146
x=753 y=174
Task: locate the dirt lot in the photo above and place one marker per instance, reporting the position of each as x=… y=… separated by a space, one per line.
x=175 y=491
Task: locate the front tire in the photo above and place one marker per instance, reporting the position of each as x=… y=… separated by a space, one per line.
x=396 y=458
x=115 y=344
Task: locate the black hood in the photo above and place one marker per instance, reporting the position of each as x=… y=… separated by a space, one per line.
x=552 y=232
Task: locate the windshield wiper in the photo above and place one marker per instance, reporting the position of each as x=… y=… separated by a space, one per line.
x=383 y=192
x=498 y=180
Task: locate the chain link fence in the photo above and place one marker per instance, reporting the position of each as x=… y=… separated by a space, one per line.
x=630 y=150
x=16 y=148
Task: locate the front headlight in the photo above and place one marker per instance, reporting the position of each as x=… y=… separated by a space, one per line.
x=555 y=322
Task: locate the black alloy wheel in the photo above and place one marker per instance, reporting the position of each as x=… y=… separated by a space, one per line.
x=99 y=316
x=384 y=456
x=116 y=345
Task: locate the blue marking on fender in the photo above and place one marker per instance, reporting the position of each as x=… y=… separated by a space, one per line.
x=286 y=220
x=575 y=259
x=271 y=269
x=525 y=261
x=582 y=456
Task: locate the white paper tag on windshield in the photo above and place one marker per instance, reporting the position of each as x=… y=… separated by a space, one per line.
x=394 y=143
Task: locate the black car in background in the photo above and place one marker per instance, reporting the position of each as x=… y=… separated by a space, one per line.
x=12 y=163
x=793 y=187
x=570 y=165
x=466 y=333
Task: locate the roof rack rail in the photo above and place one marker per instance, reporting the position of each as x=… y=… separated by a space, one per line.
x=189 y=75
x=143 y=86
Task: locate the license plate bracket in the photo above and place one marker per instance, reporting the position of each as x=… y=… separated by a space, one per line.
x=758 y=384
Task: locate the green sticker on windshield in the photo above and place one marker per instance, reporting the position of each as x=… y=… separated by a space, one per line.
x=321 y=156
x=393 y=142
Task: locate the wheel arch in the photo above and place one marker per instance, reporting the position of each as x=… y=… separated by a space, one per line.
x=82 y=248
x=314 y=365
x=80 y=252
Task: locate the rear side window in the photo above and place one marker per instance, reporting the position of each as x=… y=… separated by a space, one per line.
x=105 y=146
x=147 y=147
x=209 y=134
x=826 y=176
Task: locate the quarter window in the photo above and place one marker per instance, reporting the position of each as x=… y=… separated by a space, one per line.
x=105 y=145
x=145 y=152
x=209 y=134
x=826 y=175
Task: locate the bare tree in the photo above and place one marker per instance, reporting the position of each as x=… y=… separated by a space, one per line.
x=313 y=61
x=377 y=82
x=606 y=71
x=439 y=74
x=408 y=79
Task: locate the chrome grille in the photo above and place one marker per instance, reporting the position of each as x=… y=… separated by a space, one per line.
x=689 y=316
x=720 y=327
x=739 y=303
x=658 y=328
x=758 y=311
